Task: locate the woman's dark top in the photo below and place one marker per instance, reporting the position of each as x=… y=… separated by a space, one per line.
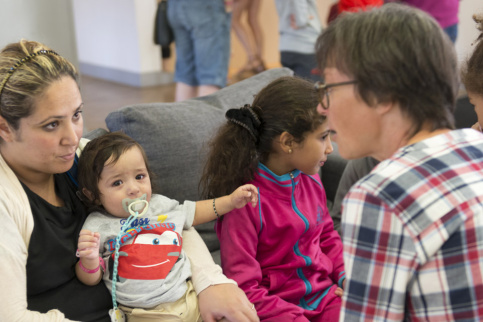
x=51 y=278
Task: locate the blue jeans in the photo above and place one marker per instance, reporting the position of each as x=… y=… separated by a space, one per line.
x=303 y=65
x=201 y=31
x=452 y=32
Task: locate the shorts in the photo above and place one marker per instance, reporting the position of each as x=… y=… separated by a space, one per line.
x=303 y=65
x=201 y=31
x=185 y=309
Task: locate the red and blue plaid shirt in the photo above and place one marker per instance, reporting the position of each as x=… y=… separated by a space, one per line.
x=413 y=234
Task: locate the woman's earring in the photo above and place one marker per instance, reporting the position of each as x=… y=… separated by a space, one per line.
x=289 y=151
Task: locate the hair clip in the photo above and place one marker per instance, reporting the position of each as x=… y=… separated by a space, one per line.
x=20 y=62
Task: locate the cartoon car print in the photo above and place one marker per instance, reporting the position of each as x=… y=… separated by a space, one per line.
x=149 y=255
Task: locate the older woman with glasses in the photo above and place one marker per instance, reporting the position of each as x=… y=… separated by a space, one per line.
x=413 y=228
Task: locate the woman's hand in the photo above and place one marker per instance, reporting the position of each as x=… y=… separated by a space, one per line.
x=226 y=302
x=245 y=194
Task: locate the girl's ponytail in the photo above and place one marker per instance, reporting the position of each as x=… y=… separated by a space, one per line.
x=233 y=158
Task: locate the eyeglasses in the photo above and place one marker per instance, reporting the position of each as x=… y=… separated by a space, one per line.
x=323 y=91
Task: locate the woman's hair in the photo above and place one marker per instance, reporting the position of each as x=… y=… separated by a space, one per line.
x=287 y=104
x=108 y=147
x=27 y=68
x=396 y=54
x=472 y=72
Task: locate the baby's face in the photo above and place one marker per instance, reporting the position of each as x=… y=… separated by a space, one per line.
x=125 y=180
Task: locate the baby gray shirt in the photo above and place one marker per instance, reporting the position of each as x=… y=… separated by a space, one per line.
x=153 y=268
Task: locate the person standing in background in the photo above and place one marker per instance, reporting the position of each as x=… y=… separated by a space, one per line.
x=251 y=38
x=201 y=31
x=299 y=27
x=356 y=5
x=351 y=6
x=444 y=11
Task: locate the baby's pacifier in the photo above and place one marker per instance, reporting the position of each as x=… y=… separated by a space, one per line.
x=136 y=206
x=138 y=202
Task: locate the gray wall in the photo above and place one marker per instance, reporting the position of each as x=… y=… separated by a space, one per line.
x=48 y=21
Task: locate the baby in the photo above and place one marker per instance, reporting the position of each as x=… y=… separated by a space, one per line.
x=153 y=271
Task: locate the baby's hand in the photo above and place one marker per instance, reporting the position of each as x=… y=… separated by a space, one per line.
x=88 y=245
x=243 y=195
x=339 y=292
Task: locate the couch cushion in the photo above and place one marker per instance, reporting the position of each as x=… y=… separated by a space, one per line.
x=174 y=134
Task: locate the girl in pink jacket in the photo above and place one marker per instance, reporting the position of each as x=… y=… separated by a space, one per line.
x=285 y=253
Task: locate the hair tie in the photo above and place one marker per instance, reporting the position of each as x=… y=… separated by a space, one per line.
x=20 y=62
x=246 y=118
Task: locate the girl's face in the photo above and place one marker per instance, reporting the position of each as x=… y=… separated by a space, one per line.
x=477 y=101
x=127 y=179
x=310 y=154
x=46 y=141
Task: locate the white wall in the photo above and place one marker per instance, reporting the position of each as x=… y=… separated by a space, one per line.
x=106 y=33
x=117 y=34
x=115 y=40
x=467 y=32
x=47 y=21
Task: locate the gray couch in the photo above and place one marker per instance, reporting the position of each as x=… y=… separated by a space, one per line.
x=174 y=136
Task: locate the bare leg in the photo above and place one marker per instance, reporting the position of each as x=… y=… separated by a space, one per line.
x=204 y=90
x=238 y=7
x=184 y=92
x=253 y=10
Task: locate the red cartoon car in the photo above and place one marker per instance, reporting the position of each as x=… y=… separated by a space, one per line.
x=150 y=254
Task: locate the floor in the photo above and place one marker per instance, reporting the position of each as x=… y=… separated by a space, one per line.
x=102 y=97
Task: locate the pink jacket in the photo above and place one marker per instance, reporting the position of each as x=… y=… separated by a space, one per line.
x=285 y=253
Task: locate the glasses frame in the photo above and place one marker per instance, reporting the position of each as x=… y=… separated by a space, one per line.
x=322 y=89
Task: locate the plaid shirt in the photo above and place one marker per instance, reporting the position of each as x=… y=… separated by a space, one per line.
x=413 y=234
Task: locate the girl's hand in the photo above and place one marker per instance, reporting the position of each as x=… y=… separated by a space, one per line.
x=245 y=194
x=88 y=245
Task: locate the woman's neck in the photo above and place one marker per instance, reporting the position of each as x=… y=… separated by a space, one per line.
x=45 y=189
x=42 y=184
x=400 y=127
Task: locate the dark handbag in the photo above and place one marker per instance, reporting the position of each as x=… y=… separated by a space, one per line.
x=163 y=34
